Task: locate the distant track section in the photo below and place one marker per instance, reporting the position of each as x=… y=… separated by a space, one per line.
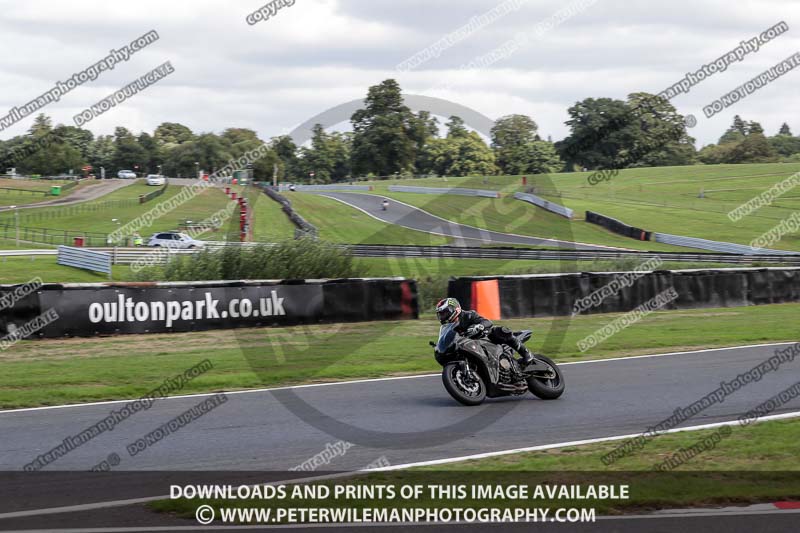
x=411 y=217
x=86 y=194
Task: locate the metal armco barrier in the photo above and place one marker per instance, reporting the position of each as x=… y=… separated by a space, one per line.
x=85 y=259
x=546 y=295
x=544 y=204
x=124 y=256
x=443 y=190
x=95 y=308
x=716 y=246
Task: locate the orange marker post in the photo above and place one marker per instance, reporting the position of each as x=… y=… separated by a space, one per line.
x=486 y=298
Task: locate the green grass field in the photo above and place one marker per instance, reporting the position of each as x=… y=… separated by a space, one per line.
x=15 y=197
x=57 y=371
x=30 y=185
x=10 y=243
x=22 y=269
x=116 y=209
x=664 y=199
x=269 y=221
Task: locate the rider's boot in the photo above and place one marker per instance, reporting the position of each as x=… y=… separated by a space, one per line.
x=527 y=356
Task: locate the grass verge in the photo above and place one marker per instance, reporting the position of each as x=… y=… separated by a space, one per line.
x=58 y=371
x=270 y=223
x=22 y=269
x=13 y=192
x=752 y=464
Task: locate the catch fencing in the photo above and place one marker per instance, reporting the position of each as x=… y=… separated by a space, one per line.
x=544 y=204
x=443 y=190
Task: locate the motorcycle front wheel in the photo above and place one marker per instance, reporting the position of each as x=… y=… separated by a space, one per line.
x=467 y=390
x=547 y=388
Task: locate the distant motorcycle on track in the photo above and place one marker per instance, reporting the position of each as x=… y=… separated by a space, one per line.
x=474 y=369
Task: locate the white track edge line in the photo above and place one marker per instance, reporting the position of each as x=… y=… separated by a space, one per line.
x=372 y=380
x=133 y=501
x=485 y=455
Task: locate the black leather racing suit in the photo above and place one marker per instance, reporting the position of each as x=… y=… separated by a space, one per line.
x=496 y=334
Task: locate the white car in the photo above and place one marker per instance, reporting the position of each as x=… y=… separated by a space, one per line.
x=155 y=179
x=173 y=239
x=126 y=174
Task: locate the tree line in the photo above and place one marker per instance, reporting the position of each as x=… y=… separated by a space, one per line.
x=388 y=139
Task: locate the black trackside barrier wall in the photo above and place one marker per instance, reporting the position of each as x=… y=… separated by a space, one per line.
x=616 y=226
x=103 y=309
x=303 y=226
x=556 y=295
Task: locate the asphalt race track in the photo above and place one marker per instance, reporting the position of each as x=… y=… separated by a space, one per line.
x=406 y=420
x=411 y=217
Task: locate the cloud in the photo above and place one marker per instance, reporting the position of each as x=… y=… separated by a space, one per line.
x=316 y=54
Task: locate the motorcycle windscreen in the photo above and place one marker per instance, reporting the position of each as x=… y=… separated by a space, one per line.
x=447 y=336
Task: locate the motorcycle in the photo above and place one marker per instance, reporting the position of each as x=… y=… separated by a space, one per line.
x=474 y=369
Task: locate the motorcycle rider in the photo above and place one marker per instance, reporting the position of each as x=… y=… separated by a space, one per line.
x=471 y=324
x=385 y=204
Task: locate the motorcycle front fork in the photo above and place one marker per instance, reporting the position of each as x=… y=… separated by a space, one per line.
x=467 y=370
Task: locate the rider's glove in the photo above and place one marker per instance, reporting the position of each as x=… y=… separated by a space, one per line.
x=475 y=331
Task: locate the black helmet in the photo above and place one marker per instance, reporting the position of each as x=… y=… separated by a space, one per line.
x=448 y=310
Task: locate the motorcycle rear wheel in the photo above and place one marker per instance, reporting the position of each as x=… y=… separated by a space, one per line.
x=544 y=388
x=464 y=391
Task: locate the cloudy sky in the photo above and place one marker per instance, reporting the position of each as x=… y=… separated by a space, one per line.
x=317 y=54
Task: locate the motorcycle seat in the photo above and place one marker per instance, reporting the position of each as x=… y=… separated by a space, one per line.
x=523 y=335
